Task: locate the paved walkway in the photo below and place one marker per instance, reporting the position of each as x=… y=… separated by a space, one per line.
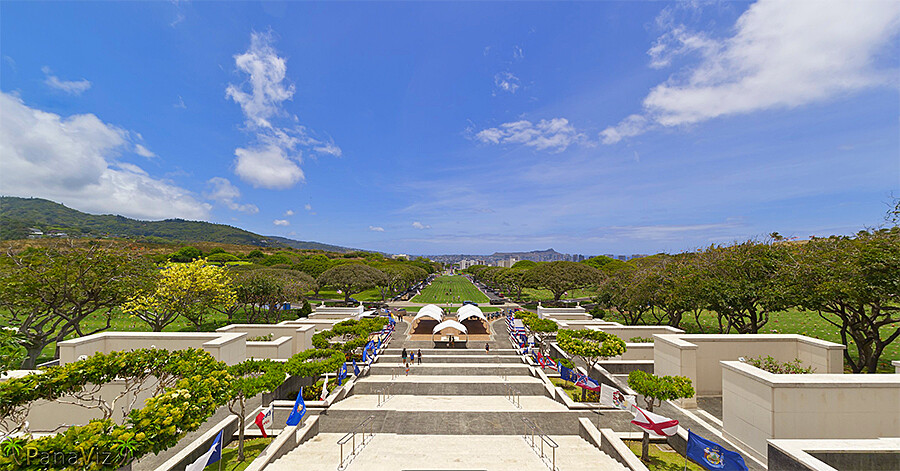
x=451 y=404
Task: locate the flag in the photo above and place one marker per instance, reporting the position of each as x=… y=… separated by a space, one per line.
x=657 y=425
x=264 y=419
x=341 y=373
x=586 y=382
x=550 y=363
x=355 y=368
x=567 y=374
x=325 y=388
x=298 y=411
x=713 y=456
x=611 y=396
x=214 y=454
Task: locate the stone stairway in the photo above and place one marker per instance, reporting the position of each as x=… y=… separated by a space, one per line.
x=451 y=412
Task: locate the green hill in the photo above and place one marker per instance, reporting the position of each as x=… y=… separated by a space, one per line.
x=19 y=216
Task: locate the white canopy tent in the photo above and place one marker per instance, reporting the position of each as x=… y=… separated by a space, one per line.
x=450 y=323
x=468 y=311
x=431 y=311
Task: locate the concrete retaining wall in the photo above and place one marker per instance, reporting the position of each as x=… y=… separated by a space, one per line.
x=227 y=347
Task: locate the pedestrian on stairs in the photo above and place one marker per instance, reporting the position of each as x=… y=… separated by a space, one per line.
x=412 y=357
x=407 y=368
x=487 y=347
x=403 y=354
x=419 y=356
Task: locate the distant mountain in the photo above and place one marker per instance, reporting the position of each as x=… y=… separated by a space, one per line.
x=21 y=218
x=548 y=255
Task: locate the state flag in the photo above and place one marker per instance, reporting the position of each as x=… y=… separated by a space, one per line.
x=211 y=456
x=656 y=424
x=611 y=396
x=713 y=456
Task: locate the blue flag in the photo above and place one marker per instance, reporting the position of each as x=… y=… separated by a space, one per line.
x=567 y=374
x=355 y=368
x=342 y=373
x=217 y=450
x=713 y=456
x=298 y=411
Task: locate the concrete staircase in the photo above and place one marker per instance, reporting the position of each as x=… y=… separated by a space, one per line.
x=451 y=412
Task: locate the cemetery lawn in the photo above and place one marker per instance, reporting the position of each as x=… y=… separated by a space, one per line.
x=662 y=460
x=252 y=448
x=415 y=309
x=450 y=288
x=534 y=294
x=791 y=321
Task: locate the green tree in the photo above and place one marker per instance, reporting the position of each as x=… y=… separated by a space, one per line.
x=352 y=278
x=186 y=289
x=45 y=294
x=186 y=254
x=854 y=284
x=598 y=262
x=248 y=379
x=626 y=291
x=559 y=277
x=513 y=280
x=656 y=389
x=261 y=293
x=525 y=264
x=590 y=346
x=12 y=354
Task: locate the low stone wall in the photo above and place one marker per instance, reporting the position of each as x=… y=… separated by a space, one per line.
x=227 y=347
x=612 y=445
x=289 y=438
x=758 y=406
x=300 y=333
x=277 y=349
x=325 y=312
x=831 y=455
x=697 y=356
x=563 y=313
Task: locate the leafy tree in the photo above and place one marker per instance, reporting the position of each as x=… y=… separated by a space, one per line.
x=590 y=345
x=351 y=278
x=513 y=280
x=526 y=264
x=46 y=293
x=186 y=254
x=620 y=290
x=189 y=290
x=598 y=262
x=656 y=389
x=248 y=379
x=12 y=354
x=305 y=309
x=741 y=284
x=559 y=277
x=399 y=277
x=261 y=293
x=222 y=258
x=854 y=284
x=541 y=328
x=314 y=265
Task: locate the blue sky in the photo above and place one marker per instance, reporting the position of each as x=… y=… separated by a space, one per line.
x=426 y=128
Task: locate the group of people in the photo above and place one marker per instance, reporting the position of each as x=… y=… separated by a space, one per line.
x=413 y=356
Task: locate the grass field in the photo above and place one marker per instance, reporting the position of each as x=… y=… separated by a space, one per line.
x=484 y=309
x=662 y=458
x=789 y=322
x=534 y=294
x=450 y=289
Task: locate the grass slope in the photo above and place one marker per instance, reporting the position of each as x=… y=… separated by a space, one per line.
x=450 y=289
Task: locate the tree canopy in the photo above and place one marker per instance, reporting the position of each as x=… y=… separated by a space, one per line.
x=562 y=276
x=352 y=278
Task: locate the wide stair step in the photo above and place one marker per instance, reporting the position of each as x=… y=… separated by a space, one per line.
x=456 y=352
x=451 y=358
x=450 y=385
x=457 y=369
x=450 y=422
x=392 y=452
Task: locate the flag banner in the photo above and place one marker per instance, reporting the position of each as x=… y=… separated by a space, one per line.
x=586 y=382
x=713 y=456
x=550 y=363
x=259 y=423
x=355 y=368
x=611 y=396
x=214 y=454
x=325 y=388
x=657 y=425
x=298 y=411
x=567 y=374
x=342 y=373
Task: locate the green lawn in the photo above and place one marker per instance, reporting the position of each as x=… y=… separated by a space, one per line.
x=662 y=458
x=534 y=294
x=252 y=448
x=415 y=309
x=791 y=321
x=450 y=288
x=573 y=391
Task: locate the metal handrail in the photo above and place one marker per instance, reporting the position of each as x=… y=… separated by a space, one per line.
x=500 y=371
x=535 y=430
x=351 y=435
x=514 y=395
x=385 y=393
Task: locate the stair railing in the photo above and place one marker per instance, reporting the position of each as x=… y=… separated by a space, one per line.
x=535 y=431
x=351 y=437
x=513 y=395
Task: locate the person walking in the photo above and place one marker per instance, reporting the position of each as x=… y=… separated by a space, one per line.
x=419 y=356
x=487 y=347
x=412 y=357
x=407 y=368
x=403 y=354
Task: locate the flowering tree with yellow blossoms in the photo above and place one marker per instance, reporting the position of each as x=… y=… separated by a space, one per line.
x=189 y=290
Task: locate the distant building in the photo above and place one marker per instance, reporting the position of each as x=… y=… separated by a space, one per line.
x=577 y=257
x=400 y=256
x=466 y=263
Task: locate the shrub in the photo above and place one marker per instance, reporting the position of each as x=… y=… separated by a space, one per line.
x=641 y=340
x=774 y=366
x=261 y=338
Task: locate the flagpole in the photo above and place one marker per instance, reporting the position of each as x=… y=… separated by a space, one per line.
x=685 y=450
x=220 y=454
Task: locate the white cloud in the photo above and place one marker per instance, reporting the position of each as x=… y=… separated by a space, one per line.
x=281 y=222
x=289 y=212
x=554 y=134
x=376 y=228
x=307 y=207
x=222 y=191
x=506 y=82
x=74 y=87
x=518 y=53
x=180 y=103
x=273 y=161
x=420 y=226
x=143 y=151
x=782 y=55
x=73 y=160
x=629 y=127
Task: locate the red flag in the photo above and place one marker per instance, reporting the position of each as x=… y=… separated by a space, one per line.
x=259 y=423
x=655 y=424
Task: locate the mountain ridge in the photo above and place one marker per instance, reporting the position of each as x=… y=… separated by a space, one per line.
x=18 y=216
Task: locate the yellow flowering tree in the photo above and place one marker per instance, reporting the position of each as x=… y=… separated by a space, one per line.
x=189 y=290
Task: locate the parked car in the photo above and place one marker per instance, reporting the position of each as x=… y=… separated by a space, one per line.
x=497 y=301
x=470 y=302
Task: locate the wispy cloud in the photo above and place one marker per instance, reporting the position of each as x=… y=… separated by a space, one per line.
x=180 y=103
x=307 y=207
x=281 y=222
x=555 y=134
x=221 y=190
x=376 y=228
x=273 y=160
x=72 y=87
x=782 y=55
x=420 y=226
x=289 y=212
x=143 y=151
x=506 y=82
